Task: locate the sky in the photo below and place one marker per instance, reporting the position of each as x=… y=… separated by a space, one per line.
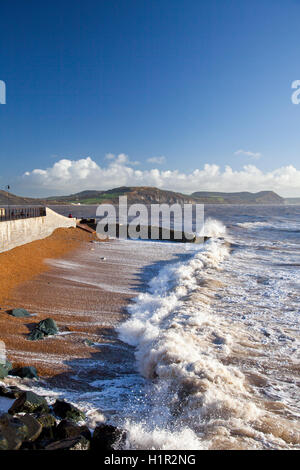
x=186 y=95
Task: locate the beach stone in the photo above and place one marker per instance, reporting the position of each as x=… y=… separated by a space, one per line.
x=48 y=326
x=10 y=392
x=5 y=368
x=65 y=410
x=25 y=372
x=3 y=371
x=19 y=313
x=77 y=443
x=44 y=328
x=36 y=334
x=34 y=428
x=9 y=441
x=67 y=429
x=106 y=435
x=29 y=402
x=12 y=426
x=49 y=425
x=18 y=432
x=3 y=442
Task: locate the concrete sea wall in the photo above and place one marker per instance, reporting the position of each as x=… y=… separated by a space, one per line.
x=19 y=232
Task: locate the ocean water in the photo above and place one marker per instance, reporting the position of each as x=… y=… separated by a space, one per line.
x=214 y=339
x=217 y=336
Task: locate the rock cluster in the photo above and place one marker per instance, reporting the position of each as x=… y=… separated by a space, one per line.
x=32 y=424
x=44 y=328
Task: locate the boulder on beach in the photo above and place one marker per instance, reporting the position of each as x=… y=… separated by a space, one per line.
x=10 y=392
x=25 y=372
x=29 y=402
x=68 y=429
x=3 y=442
x=34 y=428
x=15 y=431
x=66 y=410
x=44 y=328
x=36 y=334
x=77 y=443
x=49 y=425
x=107 y=437
x=9 y=441
x=19 y=312
x=5 y=368
x=11 y=426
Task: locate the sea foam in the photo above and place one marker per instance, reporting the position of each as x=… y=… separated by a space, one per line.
x=196 y=396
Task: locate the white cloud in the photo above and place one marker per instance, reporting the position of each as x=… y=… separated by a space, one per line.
x=247 y=153
x=110 y=156
x=69 y=176
x=121 y=158
x=157 y=160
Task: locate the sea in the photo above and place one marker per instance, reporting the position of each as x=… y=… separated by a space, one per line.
x=213 y=338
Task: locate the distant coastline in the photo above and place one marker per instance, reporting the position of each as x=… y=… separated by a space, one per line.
x=151 y=195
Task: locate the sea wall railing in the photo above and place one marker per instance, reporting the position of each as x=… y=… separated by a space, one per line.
x=16 y=213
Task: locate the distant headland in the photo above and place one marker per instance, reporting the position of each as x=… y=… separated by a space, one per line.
x=150 y=195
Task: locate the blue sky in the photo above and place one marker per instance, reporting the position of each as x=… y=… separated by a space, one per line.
x=183 y=84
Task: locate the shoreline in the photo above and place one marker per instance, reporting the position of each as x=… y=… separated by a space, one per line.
x=86 y=292
x=68 y=286
x=84 y=285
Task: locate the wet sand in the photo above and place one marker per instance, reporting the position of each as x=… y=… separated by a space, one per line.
x=27 y=261
x=85 y=294
x=80 y=309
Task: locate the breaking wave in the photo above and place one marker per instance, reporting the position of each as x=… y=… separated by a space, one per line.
x=196 y=397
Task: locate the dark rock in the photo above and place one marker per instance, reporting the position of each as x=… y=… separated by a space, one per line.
x=36 y=334
x=44 y=328
x=34 y=428
x=12 y=432
x=14 y=426
x=25 y=372
x=5 y=368
x=48 y=423
x=77 y=443
x=19 y=313
x=65 y=410
x=3 y=371
x=29 y=402
x=9 y=441
x=18 y=432
x=3 y=442
x=67 y=429
x=10 y=392
x=107 y=437
x=48 y=327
